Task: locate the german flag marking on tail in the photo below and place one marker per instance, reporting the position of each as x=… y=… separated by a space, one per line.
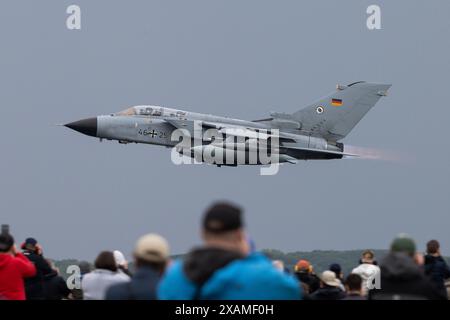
x=336 y=102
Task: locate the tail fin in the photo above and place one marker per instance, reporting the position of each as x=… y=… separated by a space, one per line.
x=334 y=116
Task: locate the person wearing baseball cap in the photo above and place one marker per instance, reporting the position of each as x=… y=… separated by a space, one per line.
x=337 y=269
x=402 y=276
x=34 y=286
x=224 y=267
x=151 y=255
x=304 y=272
x=330 y=288
x=302 y=265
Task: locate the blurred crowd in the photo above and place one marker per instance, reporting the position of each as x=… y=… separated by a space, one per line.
x=226 y=266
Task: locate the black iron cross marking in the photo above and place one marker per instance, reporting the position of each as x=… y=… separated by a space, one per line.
x=153 y=133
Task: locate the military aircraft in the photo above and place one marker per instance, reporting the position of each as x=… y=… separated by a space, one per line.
x=312 y=133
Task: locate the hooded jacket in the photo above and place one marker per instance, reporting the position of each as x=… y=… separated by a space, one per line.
x=437 y=269
x=217 y=274
x=402 y=279
x=367 y=272
x=13 y=270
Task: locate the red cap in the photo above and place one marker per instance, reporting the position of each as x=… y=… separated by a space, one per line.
x=302 y=265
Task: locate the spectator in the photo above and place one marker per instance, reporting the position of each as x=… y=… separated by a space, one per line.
x=401 y=277
x=353 y=287
x=55 y=288
x=367 y=269
x=14 y=267
x=305 y=274
x=122 y=263
x=279 y=265
x=436 y=267
x=336 y=268
x=223 y=269
x=85 y=268
x=34 y=286
x=329 y=288
x=95 y=283
x=151 y=255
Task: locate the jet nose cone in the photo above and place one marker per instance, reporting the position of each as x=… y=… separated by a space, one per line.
x=86 y=126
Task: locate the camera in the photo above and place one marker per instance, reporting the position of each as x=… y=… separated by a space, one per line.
x=5 y=229
x=6 y=240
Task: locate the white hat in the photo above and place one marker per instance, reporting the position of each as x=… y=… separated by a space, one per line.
x=152 y=248
x=119 y=258
x=329 y=278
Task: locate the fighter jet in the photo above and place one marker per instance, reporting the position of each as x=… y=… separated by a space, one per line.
x=312 y=133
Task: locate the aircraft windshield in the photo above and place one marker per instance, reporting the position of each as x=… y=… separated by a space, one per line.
x=153 y=111
x=127 y=112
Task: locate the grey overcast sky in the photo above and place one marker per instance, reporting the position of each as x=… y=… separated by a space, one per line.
x=235 y=58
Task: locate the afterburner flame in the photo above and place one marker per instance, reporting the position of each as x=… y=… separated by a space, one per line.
x=374 y=154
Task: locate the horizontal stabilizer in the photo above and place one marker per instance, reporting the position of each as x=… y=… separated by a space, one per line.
x=287 y=158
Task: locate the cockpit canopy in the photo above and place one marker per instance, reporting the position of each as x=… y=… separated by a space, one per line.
x=153 y=111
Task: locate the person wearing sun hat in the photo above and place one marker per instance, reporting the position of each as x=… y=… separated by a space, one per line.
x=151 y=256
x=330 y=288
x=402 y=276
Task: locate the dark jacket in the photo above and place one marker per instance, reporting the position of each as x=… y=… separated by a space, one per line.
x=437 y=269
x=55 y=288
x=328 y=293
x=34 y=287
x=141 y=287
x=311 y=280
x=402 y=279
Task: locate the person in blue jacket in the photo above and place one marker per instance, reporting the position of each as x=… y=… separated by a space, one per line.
x=224 y=268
